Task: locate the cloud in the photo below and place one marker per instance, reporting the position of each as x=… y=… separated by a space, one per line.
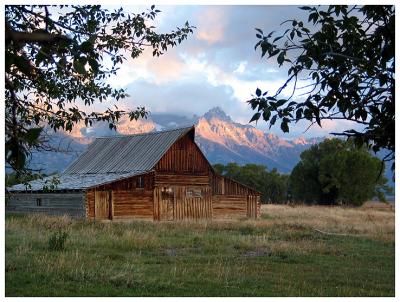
x=181 y=98
x=241 y=67
x=241 y=87
x=211 y=25
x=216 y=66
x=166 y=68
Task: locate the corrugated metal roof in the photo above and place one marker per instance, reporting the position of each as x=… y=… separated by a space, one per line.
x=74 y=181
x=121 y=154
x=108 y=159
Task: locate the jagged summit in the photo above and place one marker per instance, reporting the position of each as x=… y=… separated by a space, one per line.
x=218 y=113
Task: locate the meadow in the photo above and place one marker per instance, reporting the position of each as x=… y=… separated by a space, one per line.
x=288 y=251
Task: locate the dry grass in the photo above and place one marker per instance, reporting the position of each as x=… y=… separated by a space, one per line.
x=373 y=220
x=279 y=254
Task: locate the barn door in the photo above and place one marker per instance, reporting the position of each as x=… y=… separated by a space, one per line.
x=102 y=205
x=167 y=204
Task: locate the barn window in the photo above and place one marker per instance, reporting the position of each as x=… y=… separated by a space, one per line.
x=167 y=192
x=193 y=192
x=38 y=202
x=140 y=183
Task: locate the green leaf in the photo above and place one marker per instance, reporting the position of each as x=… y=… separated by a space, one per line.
x=281 y=58
x=280 y=102
x=258 y=92
x=364 y=115
x=94 y=65
x=255 y=117
x=318 y=120
x=91 y=25
x=79 y=65
x=23 y=65
x=313 y=16
x=266 y=115
x=9 y=60
x=31 y=136
x=86 y=46
x=273 y=120
x=308 y=114
x=337 y=10
x=285 y=127
x=299 y=113
x=274 y=53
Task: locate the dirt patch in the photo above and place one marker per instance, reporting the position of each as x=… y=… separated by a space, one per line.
x=172 y=252
x=255 y=253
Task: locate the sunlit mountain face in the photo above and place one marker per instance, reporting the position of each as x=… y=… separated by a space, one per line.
x=220 y=138
x=223 y=141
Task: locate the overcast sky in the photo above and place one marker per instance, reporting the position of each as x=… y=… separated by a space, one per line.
x=216 y=66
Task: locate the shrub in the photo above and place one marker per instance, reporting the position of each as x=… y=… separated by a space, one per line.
x=57 y=240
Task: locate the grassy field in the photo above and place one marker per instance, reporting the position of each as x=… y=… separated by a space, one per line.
x=280 y=254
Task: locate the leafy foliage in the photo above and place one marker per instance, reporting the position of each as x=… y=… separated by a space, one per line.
x=271 y=184
x=347 y=58
x=57 y=240
x=12 y=179
x=335 y=171
x=58 y=55
x=49 y=184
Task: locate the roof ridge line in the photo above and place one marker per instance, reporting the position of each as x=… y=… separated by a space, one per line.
x=146 y=133
x=103 y=173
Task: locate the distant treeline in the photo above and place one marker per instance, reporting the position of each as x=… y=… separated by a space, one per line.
x=272 y=184
x=331 y=172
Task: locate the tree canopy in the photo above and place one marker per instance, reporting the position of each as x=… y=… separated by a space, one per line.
x=335 y=171
x=56 y=56
x=346 y=54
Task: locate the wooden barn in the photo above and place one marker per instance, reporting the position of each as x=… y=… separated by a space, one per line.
x=158 y=176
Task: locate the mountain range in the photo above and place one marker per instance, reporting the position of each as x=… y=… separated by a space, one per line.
x=221 y=139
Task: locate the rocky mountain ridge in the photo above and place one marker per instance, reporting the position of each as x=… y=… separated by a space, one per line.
x=220 y=138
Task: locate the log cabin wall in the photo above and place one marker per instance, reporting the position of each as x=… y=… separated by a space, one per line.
x=182 y=183
x=233 y=200
x=224 y=186
x=184 y=157
x=182 y=202
x=182 y=196
x=235 y=206
x=133 y=204
x=130 y=198
x=253 y=206
x=169 y=196
x=229 y=206
x=65 y=203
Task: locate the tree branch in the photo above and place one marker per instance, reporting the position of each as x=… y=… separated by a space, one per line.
x=32 y=37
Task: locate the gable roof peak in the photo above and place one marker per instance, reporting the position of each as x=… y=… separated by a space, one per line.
x=126 y=153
